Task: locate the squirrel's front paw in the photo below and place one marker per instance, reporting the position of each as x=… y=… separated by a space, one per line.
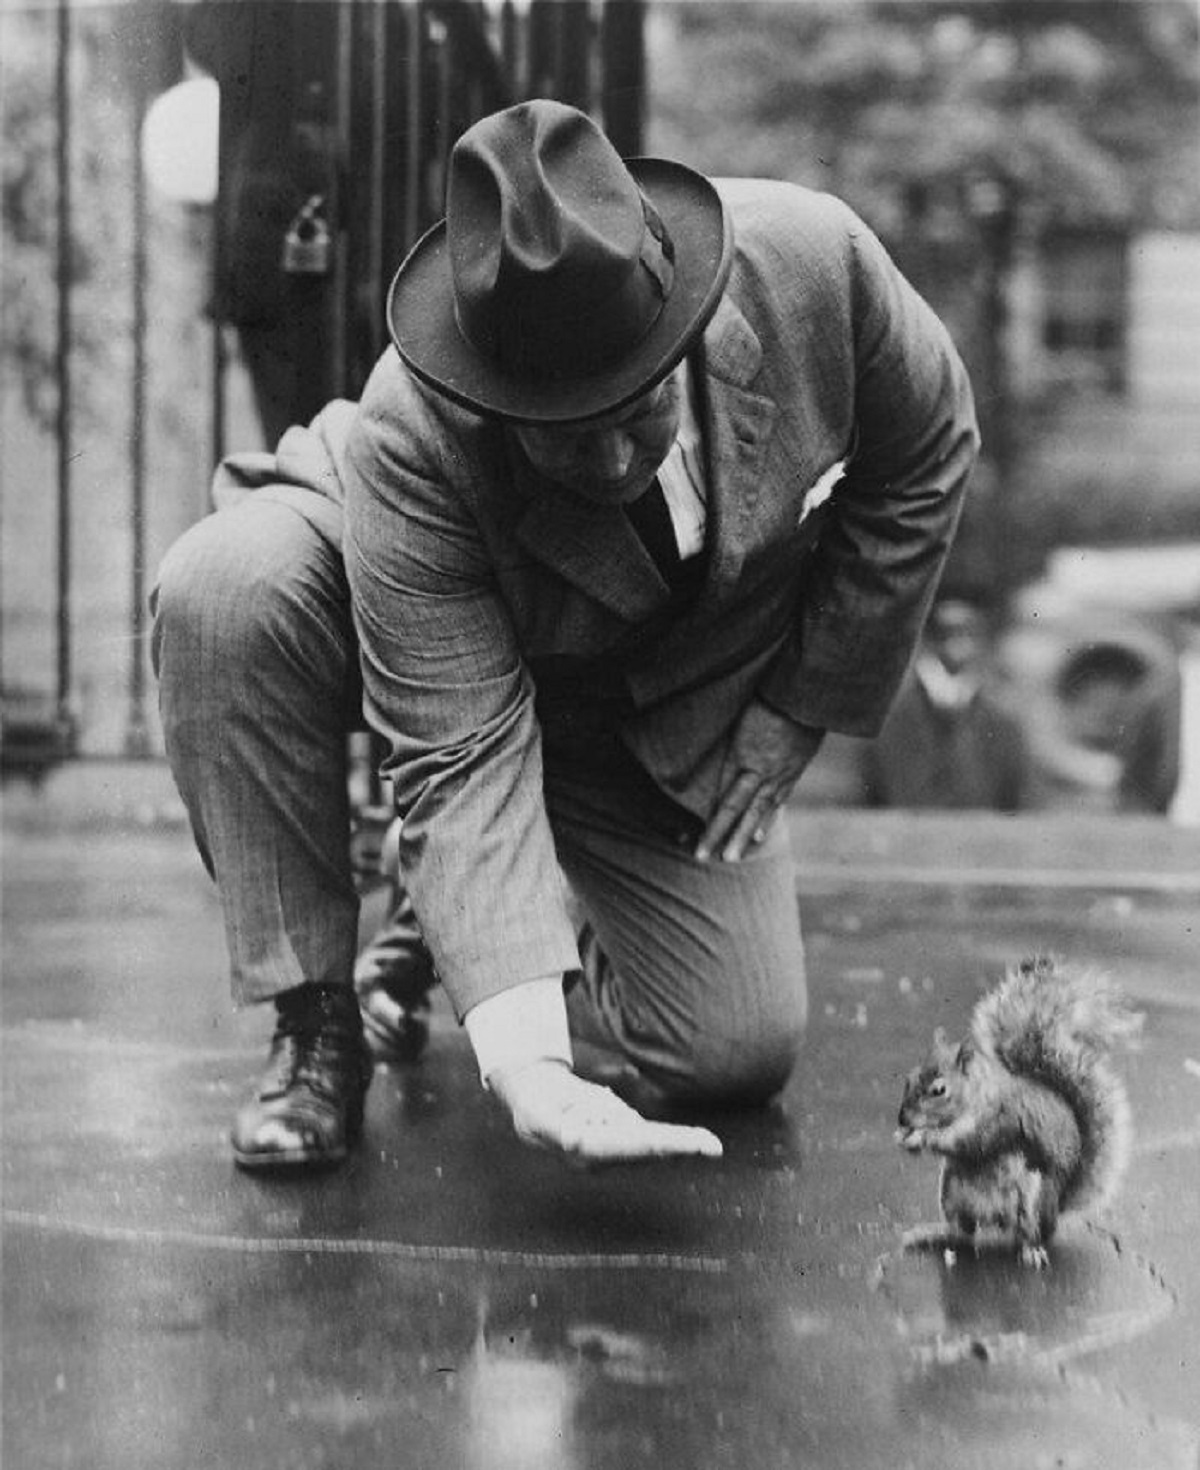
x=1036 y=1257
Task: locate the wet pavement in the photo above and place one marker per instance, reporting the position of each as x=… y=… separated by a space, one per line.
x=450 y=1299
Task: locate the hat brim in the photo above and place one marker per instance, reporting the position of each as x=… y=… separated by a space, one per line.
x=420 y=310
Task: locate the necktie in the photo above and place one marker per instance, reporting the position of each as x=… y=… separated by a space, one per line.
x=652 y=521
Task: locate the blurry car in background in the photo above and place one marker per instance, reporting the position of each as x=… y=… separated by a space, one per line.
x=1086 y=695
x=1101 y=661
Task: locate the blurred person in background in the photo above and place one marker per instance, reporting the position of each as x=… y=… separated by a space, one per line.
x=654 y=488
x=949 y=741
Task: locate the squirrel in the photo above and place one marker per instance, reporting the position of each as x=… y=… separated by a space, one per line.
x=1027 y=1112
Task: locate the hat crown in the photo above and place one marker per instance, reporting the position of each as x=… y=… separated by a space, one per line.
x=563 y=282
x=556 y=265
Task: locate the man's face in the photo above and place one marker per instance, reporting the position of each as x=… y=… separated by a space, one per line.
x=609 y=460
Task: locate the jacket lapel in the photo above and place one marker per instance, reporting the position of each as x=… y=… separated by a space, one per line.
x=596 y=549
x=737 y=424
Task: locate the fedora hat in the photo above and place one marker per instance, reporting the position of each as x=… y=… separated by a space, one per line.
x=563 y=282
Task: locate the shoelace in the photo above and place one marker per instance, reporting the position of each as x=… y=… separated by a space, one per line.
x=303 y=1056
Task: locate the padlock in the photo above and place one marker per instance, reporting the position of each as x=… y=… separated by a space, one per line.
x=308 y=244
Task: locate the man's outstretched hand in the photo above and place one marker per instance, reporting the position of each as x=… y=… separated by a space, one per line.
x=553 y=1108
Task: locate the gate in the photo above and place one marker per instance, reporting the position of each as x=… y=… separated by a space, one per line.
x=160 y=305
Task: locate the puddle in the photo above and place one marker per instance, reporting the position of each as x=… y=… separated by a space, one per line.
x=985 y=1306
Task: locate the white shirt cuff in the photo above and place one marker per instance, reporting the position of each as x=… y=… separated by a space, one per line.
x=527 y=1023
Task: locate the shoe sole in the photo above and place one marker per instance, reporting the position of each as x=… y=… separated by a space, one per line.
x=299 y=1159
x=289 y=1161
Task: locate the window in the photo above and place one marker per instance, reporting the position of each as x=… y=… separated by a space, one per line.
x=1086 y=295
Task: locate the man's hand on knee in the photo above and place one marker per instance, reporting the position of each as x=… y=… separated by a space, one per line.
x=553 y=1108
x=768 y=754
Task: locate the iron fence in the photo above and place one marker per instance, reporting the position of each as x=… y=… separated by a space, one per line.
x=149 y=325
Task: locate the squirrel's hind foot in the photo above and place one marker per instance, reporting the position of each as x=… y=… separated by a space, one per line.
x=932 y=1237
x=995 y=1242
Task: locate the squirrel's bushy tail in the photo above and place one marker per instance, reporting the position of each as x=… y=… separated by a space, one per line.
x=1058 y=1023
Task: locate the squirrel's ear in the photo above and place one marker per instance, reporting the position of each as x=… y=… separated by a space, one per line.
x=964 y=1056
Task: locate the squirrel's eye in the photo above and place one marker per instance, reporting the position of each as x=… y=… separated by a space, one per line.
x=937 y=1088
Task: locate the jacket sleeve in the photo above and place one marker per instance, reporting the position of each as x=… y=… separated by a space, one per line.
x=445 y=685
x=892 y=519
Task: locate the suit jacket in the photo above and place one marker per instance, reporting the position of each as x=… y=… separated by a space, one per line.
x=470 y=575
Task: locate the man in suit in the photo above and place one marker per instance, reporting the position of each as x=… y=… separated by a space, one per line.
x=654 y=490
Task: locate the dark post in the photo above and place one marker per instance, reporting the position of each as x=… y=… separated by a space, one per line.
x=543 y=31
x=414 y=121
x=512 y=54
x=623 y=66
x=312 y=37
x=65 y=731
x=218 y=366
x=137 y=736
x=574 y=53
x=993 y=206
x=364 y=187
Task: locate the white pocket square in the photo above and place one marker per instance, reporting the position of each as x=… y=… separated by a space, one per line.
x=819 y=492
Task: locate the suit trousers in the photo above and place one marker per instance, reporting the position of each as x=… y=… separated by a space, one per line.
x=691 y=974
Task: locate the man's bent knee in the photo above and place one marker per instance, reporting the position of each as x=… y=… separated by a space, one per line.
x=748 y=1065
x=748 y=1070
x=235 y=587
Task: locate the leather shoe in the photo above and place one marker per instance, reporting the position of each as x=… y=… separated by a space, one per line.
x=308 y=1108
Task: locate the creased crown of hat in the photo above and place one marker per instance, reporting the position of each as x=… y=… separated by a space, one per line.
x=563 y=282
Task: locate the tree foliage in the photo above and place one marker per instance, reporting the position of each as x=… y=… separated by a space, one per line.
x=109 y=47
x=963 y=133
x=1085 y=109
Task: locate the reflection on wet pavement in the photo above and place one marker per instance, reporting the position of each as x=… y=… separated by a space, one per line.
x=450 y=1299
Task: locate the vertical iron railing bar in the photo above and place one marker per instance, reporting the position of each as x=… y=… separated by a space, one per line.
x=413 y=96
x=340 y=285
x=218 y=349
x=445 y=51
x=511 y=54
x=623 y=67
x=62 y=365
x=219 y=362
x=375 y=226
x=574 y=53
x=137 y=738
x=542 y=47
